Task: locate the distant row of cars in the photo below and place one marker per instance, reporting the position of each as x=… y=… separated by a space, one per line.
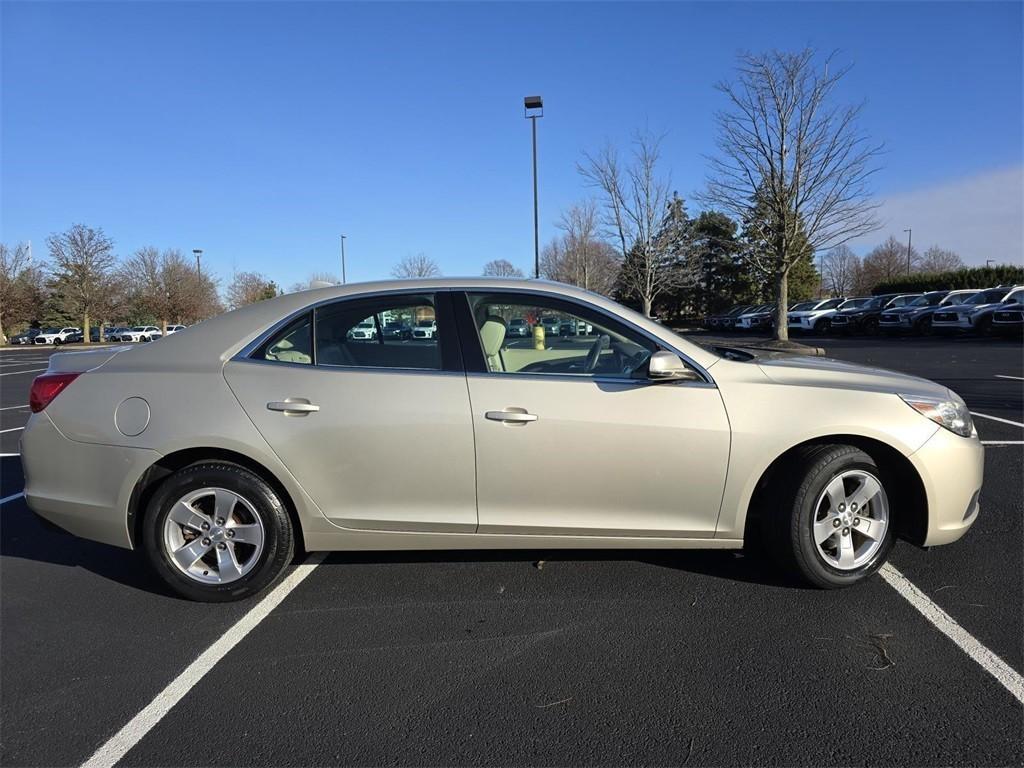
x=999 y=309
x=73 y=335
x=367 y=330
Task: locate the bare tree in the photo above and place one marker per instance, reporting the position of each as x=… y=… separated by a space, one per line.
x=887 y=262
x=501 y=268
x=588 y=261
x=166 y=286
x=784 y=145
x=18 y=278
x=83 y=262
x=634 y=197
x=937 y=259
x=841 y=270
x=419 y=265
x=248 y=288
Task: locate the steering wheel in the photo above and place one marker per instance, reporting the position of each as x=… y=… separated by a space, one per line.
x=600 y=345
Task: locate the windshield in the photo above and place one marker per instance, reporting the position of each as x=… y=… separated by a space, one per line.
x=853 y=303
x=518 y=322
x=803 y=306
x=1017 y=297
x=830 y=304
x=990 y=296
x=927 y=300
x=50 y=330
x=956 y=298
x=139 y=328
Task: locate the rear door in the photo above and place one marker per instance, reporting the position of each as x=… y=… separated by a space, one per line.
x=376 y=430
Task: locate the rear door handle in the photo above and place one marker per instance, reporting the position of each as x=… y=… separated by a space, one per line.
x=511 y=416
x=293 y=406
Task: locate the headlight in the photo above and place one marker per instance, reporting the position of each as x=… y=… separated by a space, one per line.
x=951 y=414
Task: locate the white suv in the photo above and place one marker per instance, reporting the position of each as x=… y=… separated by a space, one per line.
x=55 y=336
x=141 y=333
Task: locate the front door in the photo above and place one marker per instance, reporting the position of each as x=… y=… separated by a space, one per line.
x=373 y=424
x=570 y=441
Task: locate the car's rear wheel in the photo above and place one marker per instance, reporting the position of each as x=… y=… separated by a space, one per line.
x=871 y=326
x=830 y=523
x=215 y=532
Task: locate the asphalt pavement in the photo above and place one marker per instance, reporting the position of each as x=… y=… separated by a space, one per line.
x=592 y=658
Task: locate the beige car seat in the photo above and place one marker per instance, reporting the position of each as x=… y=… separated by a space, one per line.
x=492 y=336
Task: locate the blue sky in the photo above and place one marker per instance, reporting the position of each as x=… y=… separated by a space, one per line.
x=260 y=131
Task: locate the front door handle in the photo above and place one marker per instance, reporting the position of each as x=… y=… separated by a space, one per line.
x=293 y=406
x=511 y=416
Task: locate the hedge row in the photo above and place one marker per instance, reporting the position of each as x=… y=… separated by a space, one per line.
x=971 y=277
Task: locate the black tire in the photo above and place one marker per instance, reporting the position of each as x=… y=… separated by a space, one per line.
x=788 y=525
x=871 y=327
x=823 y=326
x=279 y=538
x=924 y=327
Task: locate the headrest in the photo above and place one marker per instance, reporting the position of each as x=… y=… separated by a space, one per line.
x=492 y=335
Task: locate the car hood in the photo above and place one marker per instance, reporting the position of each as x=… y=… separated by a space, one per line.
x=799 y=370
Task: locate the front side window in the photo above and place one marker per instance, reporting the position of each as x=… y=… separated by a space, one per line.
x=568 y=339
x=361 y=333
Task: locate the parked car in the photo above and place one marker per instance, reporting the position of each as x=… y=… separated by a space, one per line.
x=425 y=329
x=1009 y=316
x=728 y=322
x=55 y=336
x=552 y=326
x=755 y=319
x=519 y=328
x=973 y=314
x=364 y=331
x=576 y=328
x=917 y=315
x=26 y=337
x=397 y=331
x=225 y=442
x=78 y=336
x=717 y=320
x=175 y=329
x=815 y=318
x=864 y=319
x=115 y=333
x=141 y=333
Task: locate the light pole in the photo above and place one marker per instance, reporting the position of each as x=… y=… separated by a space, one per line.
x=533 y=107
x=989 y=262
x=198 y=253
x=910 y=234
x=342 y=259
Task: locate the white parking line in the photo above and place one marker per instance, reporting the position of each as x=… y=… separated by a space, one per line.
x=12 y=497
x=1015 y=378
x=17 y=373
x=8 y=455
x=1007 y=676
x=136 y=728
x=13 y=407
x=12 y=429
x=996 y=418
x=1002 y=442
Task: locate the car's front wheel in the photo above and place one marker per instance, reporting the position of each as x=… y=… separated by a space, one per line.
x=215 y=532
x=830 y=519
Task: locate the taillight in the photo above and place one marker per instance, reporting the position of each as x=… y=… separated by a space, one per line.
x=46 y=387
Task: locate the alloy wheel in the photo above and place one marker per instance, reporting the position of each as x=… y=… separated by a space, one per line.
x=213 y=535
x=850 y=519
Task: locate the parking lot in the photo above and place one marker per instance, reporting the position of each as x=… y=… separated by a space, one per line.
x=531 y=658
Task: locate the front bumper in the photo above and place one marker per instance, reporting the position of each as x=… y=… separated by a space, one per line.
x=951 y=468
x=83 y=488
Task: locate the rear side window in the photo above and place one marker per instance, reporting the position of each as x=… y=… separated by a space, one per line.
x=387 y=332
x=293 y=344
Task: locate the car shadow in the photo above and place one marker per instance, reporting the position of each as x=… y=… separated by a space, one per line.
x=730 y=565
x=25 y=536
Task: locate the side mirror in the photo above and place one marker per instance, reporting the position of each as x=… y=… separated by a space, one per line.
x=666 y=366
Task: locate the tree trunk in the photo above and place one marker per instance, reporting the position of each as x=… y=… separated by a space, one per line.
x=102 y=326
x=163 y=328
x=85 y=329
x=3 y=339
x=647 y=306
x=782 y=305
